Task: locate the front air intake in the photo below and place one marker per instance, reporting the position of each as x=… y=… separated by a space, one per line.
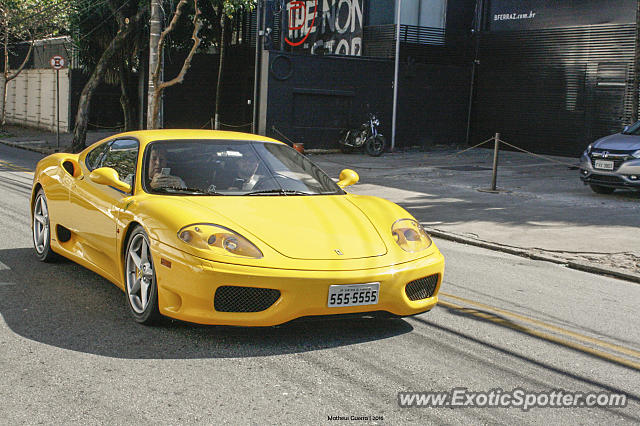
x=244 y=299
x=422 y=288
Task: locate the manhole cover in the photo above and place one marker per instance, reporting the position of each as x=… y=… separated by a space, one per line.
x=465 y=168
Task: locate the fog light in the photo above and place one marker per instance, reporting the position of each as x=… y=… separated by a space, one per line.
x=585 y=172
x=633 y=177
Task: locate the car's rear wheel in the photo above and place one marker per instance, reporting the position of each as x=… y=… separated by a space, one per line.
x=42 y=229
x=602 y=189
x=140 y=277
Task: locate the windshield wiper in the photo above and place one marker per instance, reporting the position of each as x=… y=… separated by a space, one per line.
x=278 y=192
x=189 y=191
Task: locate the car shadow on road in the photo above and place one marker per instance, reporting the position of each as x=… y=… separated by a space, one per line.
x=67 y=306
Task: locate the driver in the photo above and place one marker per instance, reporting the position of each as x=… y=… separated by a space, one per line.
x=159 y=176
x=248 y=170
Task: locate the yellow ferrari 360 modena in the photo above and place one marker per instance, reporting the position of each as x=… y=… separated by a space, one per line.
x=229 y=228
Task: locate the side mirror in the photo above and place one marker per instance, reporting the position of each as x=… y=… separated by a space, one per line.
x=109 y=177
x=347 y=178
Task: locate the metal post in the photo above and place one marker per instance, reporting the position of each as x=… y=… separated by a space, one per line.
x=58 y=109
x=256 y=72
x=494 y=177
x=394 y=121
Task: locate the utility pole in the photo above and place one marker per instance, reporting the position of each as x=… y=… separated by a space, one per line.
x=636 y=70
x=394 y=120
x=155 y=28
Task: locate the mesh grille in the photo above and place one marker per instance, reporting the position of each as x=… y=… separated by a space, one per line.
x=422 y=288
x=244 y=299
x=605 y=179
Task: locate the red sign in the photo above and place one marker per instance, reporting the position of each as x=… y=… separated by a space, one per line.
x=57 y=62
x=298 y=20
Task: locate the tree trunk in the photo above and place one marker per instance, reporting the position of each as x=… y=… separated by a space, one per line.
x=125 y=99
x=223 y=19
x=155 y=30
x=82 y=116
x=5 y=84
x=5 y=71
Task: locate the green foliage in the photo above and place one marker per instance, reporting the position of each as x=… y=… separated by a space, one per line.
x=24 y=19
x=232 y=7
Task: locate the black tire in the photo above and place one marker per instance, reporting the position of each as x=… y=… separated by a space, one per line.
x=141 y=290
x=601 y=189
x=41 y=229
x=375 y=146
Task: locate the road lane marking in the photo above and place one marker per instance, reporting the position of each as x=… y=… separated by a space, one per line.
x=3 y=267
x=6 y=284
x=578 y=336
x=545 y=336
x=14 y=167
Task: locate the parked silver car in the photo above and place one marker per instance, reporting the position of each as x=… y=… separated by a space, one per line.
x=613 y=162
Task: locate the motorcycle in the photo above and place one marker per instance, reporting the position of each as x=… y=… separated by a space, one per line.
x=367 y=135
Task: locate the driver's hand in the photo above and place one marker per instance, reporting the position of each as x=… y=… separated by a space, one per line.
x=160 y=181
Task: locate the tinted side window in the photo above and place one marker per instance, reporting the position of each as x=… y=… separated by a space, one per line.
x=94 y=158
x=122 y=156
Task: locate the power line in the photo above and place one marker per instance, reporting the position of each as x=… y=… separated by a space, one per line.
x=103 y=22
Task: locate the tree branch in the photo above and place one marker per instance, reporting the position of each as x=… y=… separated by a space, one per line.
x=163 y=35
x=17 y=72
x=197 y=24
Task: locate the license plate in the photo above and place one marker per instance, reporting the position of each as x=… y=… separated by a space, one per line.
x=353 y=295
x=605 y=165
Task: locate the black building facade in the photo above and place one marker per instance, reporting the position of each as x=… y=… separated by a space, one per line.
x=552 y=76
x=316 y=82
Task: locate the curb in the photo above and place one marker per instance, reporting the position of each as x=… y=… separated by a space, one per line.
x=45 y=151
x=580 y=266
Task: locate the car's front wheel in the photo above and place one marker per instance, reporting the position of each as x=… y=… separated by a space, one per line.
x=141 y=288
x=602 y=189
x=42 y=229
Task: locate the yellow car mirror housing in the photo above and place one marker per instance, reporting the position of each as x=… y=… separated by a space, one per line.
x=109 y=177
x=348 y=177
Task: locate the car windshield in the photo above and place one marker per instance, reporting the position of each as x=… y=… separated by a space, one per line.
x=634 y=129
x=231 y=168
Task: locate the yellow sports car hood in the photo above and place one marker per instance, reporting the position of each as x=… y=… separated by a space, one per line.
x=299 y=227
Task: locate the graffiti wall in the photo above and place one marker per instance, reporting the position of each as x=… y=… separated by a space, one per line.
x=325 y=26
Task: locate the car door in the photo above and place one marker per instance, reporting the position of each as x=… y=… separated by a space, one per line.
x=95 y=207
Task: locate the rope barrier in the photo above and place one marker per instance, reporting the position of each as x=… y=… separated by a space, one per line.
x=275 y=129
x=536 y=155
x=235 y=126
x=117 y=127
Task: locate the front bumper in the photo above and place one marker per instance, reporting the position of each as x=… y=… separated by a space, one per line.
x=187 y=289
x=618 y=178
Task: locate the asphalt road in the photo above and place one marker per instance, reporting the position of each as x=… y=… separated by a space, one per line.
x=69 y=353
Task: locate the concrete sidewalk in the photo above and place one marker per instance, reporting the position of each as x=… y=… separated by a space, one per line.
x=542 y=210
x=43 y=141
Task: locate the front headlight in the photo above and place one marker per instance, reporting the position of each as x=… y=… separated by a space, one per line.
x=589 y=148
x=636 y=154
x=410 y=235
x=207 y=236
